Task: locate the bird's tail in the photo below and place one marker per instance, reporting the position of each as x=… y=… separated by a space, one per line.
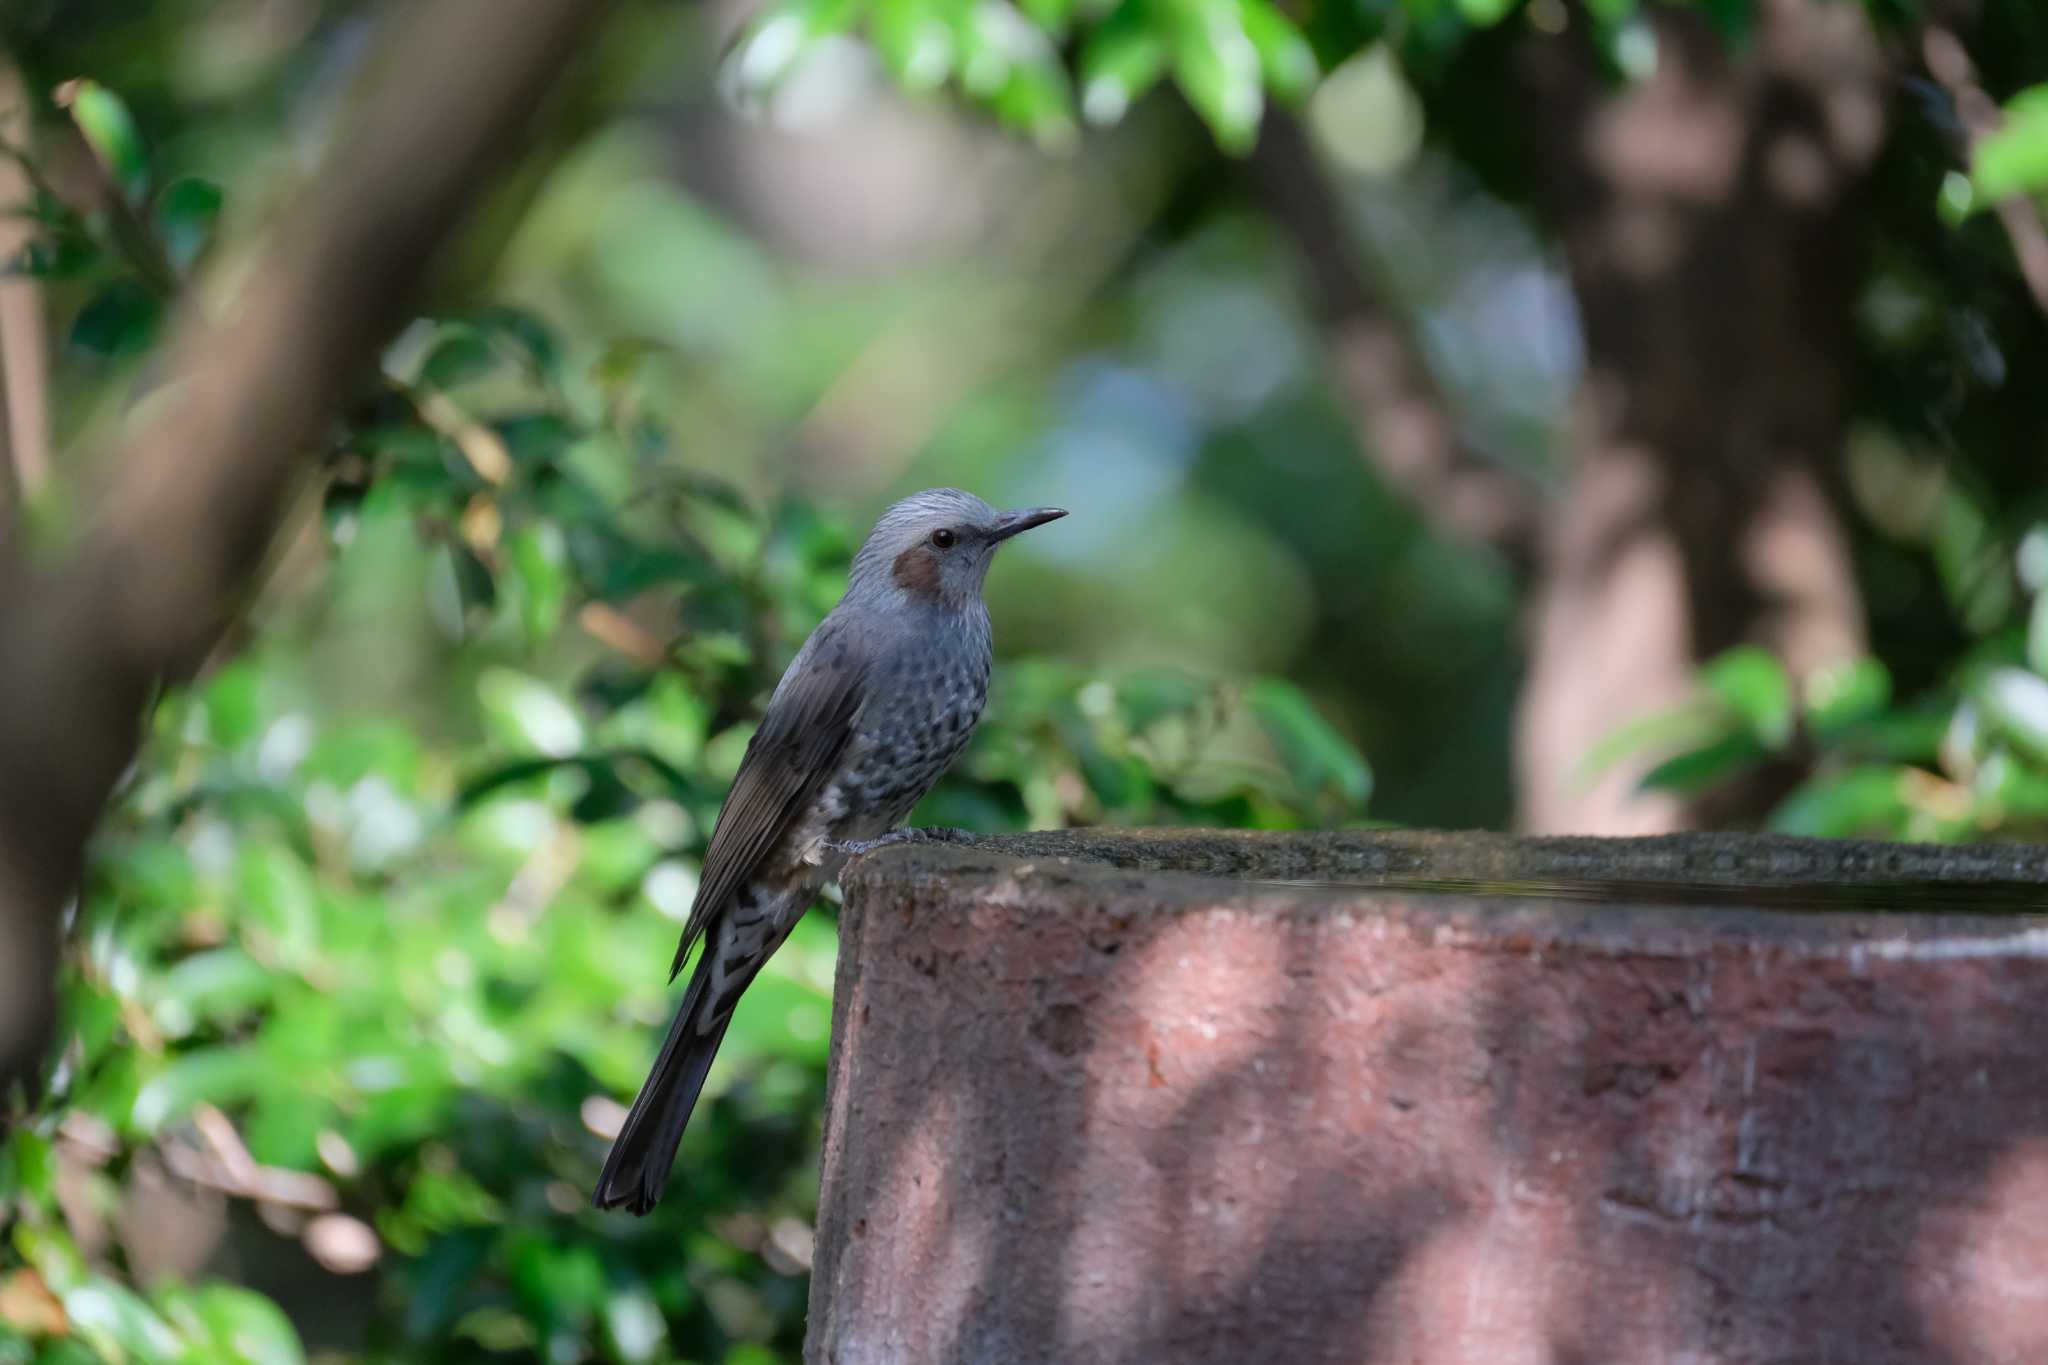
x=638 y=1167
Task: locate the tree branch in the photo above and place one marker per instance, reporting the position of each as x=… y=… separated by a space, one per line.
x=253 y=381
x=24 y=354
x=1403 y=421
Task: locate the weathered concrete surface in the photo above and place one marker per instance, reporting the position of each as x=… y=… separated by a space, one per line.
x=1090 y=1113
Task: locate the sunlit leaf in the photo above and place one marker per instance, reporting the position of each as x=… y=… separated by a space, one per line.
x=1486 y=13
x=2037 y=634
x=121 y=1325
x=2016 y=703
x=1752 y=683
x=1217 y=67
x=527 y=714
x=219 y=1076
x=1844 y=694
x=2013 y=160
x=1285 y=57
x=30 y=1164
x=233 y=1325
x=539 y=557
x=1123 y=58
x=915 y=38
x=110 y=130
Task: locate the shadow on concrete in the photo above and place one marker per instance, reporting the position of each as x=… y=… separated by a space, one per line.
x=1093 y=1111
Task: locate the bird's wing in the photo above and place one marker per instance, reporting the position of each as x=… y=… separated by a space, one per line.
x=797 y=747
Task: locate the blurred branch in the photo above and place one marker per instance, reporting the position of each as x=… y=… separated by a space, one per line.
x=226 y=1165
x=24 y=356
x=1403 y=420
x=1949 y=63
x=253 y=379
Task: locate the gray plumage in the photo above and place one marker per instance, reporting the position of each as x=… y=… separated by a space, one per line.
x=880 y=699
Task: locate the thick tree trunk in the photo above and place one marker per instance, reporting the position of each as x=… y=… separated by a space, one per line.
x=1707 y=214
x=252 y=384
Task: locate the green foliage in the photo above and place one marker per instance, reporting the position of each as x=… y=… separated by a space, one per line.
x=1968 y=760
x=381 y=919
x=2014 y=159
x=385 y=979
x=1226 y=56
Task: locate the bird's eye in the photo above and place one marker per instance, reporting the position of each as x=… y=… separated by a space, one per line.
x=944 y=538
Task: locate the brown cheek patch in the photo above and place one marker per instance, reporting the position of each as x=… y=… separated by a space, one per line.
x=917 y=572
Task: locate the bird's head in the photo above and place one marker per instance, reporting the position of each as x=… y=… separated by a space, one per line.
x=934 y=547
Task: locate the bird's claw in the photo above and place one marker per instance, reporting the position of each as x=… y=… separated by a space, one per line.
x=920 y=834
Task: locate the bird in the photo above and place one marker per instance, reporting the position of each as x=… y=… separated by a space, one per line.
x=875 y=706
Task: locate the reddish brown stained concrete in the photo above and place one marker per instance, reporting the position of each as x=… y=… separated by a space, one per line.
x=1091 y=1114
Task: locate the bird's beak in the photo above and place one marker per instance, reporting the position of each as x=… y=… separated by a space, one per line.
x=1023 y=519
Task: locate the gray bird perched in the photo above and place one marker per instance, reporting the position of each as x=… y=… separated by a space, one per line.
x=876 y=704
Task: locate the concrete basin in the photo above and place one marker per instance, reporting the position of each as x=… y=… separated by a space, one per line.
x=1436 y=1099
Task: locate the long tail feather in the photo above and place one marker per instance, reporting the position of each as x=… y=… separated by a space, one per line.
x=645 y=1150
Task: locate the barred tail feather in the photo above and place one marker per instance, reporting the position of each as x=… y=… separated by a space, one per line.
x=638 y=1168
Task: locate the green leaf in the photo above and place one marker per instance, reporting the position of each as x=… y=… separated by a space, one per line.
x=1312 y=749
x=1486 y=13
x=539 y=558
x=1755 y=686
x=110 y=130
x=633 y=1324
x=915 y=40
x=1122 y=59
x=2016 y=703
x=61 y=254
x=461 y=353
x=2031 y=560
x=221 y=1076
x=782 y=39
x=2013 y=160
x=1868 y=799
x=234 y=705
x=123 y=320
x=1285 y=57
x=1054 y=16
x=120 y=1325
x=186 y=213
x=1734 y=20
x=233 y=1324
x=1688 y=725
x=527 y=714
x=1217 y=67
x=525 y=331
x=2037 y=634
x=31 y=1165
x=1036 y=100
x=280 y=899
x=1147 y=696
x=216 y=986
x=1845 y=694
x=1693 y=772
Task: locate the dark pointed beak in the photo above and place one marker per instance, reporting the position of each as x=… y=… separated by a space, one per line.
x=1023 y=519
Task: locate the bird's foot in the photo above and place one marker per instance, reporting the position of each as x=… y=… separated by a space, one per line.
x=920 y=834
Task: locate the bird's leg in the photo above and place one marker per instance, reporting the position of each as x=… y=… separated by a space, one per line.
x=919 y=834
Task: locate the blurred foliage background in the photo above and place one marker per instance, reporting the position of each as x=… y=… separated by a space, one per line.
x=371 y=947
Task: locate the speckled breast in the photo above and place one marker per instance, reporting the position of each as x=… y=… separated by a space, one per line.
x=912 y=727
